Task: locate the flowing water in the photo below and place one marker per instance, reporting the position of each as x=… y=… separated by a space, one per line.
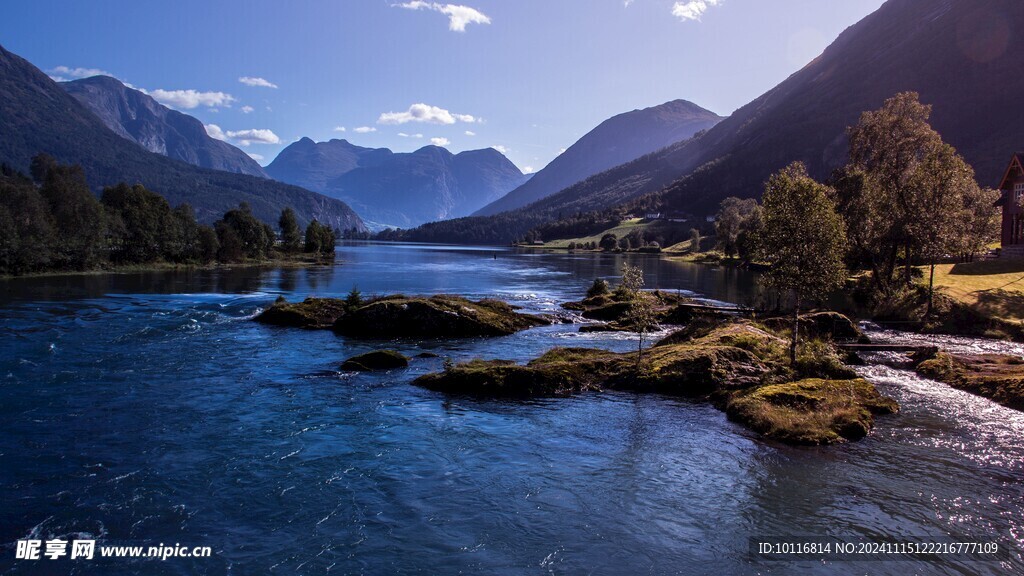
x=147 y=408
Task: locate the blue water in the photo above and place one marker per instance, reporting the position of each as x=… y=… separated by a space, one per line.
x=147 y=408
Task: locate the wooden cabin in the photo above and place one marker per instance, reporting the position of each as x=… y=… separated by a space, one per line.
x=1012 y=188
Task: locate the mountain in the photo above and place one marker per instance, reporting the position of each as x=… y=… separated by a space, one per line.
x=37 y=115
x=615 y=141
x=961 y=56
x=403 y=189
x=313 y=164
x=136 y=116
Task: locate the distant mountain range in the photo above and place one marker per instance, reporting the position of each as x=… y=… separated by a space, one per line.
x=138 y=117
x=962 y=56
x=37 y=115
x=403 y=189
x=615 y=141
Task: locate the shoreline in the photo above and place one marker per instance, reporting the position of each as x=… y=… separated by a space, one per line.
x=276 y=263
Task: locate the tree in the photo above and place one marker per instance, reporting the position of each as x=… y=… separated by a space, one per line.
x=889 y=149
x=609 y=242
x=291 y=236
x=77 y=215
x=625 y=244
x=734 y=217
x=641 y=316
x=802 y=240
x=313 y=237
x=354 y=299
x=598 y=288
x=137 y=220
x=694 y=241
x=209 y=245
x=943 y=184
x=255 y=238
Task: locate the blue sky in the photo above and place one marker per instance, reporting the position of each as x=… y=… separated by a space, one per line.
x=528 y=77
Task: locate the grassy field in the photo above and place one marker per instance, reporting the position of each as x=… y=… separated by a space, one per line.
x=624 y=228
x=995 y=287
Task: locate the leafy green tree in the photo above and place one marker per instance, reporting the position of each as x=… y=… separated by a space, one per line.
x=802 y=240
x=735 y=216
x=314 y=237
x=230 y=246
x=641 y=316
x=29 y=231
x=138 y=220
x=890 y=147
x=625 y=244
x=609 y=242
x=354 y=299
x=251 y=237
x=78 y=216
x=291 y=236
x=209 y=245
x=694 y=240
x=598 y=288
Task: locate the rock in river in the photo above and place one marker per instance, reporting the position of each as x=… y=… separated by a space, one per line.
x=376 y=360
x=440 y=316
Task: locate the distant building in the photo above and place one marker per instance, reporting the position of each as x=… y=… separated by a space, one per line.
x=679 y=217
x=1012 y=188
x=710 y=218
x=653 y=216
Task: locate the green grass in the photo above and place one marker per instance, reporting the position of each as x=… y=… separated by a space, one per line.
x=993 y=287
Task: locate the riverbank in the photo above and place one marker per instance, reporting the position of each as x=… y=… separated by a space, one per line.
x=278 y=262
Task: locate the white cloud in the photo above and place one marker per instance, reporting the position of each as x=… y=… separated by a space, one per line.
x=528 y=170
x=458 y=16
x=440 y=141
x=247 y=109
x=256 y=81
x=64 y=73
x=340 y=129
x=561 y=150
x=214 y=131
x=256 y=157
x=253 y=136
x=364 y=130
x=188 y=99
x=501 y=149
x=693 y=9
x=404 y=135
x=424 y=113
x=470 y=133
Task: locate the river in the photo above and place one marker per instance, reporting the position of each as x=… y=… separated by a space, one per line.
x=147 y=408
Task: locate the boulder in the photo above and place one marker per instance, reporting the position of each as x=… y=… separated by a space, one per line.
x=827 y=325
x=439 y=316
x=311 y=313
x=376 y=360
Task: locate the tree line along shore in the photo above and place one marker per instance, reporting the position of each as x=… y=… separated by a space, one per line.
x=51 y=222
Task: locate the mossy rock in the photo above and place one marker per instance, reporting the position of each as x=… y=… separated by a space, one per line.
x=826 y=324
x=506 y=379
x=690 y=371
x=376 y=360
x=439 y=316
x=311 y=313
x=812 y=411
x=616 y=306
x=996 y=377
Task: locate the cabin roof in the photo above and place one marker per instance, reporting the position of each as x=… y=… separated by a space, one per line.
x=1016 y=164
